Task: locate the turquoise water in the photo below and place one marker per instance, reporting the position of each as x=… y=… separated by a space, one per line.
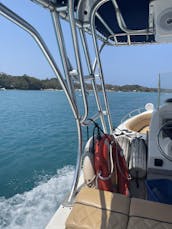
x=38 y=145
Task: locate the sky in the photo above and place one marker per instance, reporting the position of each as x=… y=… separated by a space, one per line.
x=20 y=55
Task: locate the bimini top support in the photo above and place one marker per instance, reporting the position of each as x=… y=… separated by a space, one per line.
x=68 y=79
x=126 y=23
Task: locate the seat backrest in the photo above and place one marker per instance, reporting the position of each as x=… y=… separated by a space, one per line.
x=95 y=208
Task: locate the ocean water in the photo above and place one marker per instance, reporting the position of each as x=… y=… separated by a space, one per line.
x=38 y=148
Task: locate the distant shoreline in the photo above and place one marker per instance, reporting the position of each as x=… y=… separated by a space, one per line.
x=31 y=83
x=50 y=89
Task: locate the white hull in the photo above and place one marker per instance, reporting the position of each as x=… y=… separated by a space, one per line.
x=59 y=218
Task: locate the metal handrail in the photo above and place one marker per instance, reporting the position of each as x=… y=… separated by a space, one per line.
x=78 y=57
x=122 y=24
x=91 y=71
x=101 y=75
x=132 y=113
x=106 y=26
x=63 y=52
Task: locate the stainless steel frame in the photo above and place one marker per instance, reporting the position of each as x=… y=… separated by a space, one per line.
x=81 y=120
x=27 y=27
x=123 y=26
x=66 y=80
x=93 y=15
x=63 y=52
x=91 y=71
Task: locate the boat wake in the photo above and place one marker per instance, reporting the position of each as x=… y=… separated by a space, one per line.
x=33 y=209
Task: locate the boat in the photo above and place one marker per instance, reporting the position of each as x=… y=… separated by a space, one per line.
x=2 y=89
x=123 y=175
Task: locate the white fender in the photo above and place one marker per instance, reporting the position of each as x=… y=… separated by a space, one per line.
x=88 y=165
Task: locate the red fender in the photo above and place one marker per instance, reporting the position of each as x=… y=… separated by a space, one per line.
x=122 y=170
x=101 y=163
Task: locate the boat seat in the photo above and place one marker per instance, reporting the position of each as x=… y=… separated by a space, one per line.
x=96 y=209
x=99 y=209
x=144 y=130
x=146 y=214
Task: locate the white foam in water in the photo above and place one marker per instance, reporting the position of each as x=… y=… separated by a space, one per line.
x=33 y=209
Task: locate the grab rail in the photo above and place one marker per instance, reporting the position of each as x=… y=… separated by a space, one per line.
x=132 y=113
x=77 y=56
x=91 y=71
x=93 y=15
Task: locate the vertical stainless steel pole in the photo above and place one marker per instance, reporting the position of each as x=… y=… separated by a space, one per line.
x=85 y=46
x=99 y=61
x=78 y=56
x=78 y=163
x=63 y=53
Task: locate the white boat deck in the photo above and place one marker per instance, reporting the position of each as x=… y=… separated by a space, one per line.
x=59 y=218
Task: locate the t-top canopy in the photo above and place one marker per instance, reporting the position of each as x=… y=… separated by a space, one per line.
x=126 y=22
x=120 y=21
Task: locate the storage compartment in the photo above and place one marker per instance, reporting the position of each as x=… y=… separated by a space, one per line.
x=159 y=190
